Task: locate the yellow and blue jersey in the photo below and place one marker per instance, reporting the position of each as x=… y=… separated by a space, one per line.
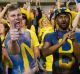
x=63 y=56
x=26 y=57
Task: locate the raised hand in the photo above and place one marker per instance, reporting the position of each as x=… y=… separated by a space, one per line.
x=68 y=35
x=14 y=34
x=8 y=5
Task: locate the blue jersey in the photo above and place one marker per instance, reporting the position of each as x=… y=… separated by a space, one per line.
x=63 y=56
x=18 y=60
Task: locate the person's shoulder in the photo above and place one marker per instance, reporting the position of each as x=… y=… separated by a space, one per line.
x=73 y=13
x=77 y=33
x=27 y=30
x=7 y=39
x=77 y=37
x=30 y=31
x=32 y=34
x=7 y=36
x=51 y=34
x=49 y=37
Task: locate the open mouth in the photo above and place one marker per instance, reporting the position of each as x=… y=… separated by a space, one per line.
x=63 y=24
x=17 y=24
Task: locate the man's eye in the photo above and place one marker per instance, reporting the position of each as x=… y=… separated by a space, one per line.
x=12 y=15
x=19 y=14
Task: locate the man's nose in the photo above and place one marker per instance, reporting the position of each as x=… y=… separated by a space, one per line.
x=16 y=17
x=63 y=19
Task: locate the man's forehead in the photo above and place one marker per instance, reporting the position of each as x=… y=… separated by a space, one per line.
x=63 y=14
x=14 y=11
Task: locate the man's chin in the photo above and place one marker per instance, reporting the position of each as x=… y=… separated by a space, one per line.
x=64 y=28
x=18 y=28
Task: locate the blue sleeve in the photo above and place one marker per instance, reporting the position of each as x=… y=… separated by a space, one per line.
x=48 y=38
x=51 y=38
x=77 y=37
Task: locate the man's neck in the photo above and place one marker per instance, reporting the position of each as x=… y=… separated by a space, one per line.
x=63 y=29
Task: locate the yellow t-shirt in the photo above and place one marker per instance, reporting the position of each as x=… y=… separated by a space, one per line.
x=33 y=28
x=49 y=59
x=73 y=13
x=34 y=39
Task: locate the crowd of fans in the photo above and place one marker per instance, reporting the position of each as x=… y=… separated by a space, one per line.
x=36 y=42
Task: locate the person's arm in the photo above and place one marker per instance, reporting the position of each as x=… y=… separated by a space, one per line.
x=36 y=51
x=6 y=60
x=35 y=47
x=48 y=49
x=4 y=11
x=67 y=3
x=2 y=14
x=58 y=4
x=5 y=54
x=76 y=22
x=14 y=47
x=12 y=44
x=35 y=44
x=76 y=45
x=37 y=2
x=39 y=13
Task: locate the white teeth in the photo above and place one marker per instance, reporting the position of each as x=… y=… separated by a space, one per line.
x=16 y=21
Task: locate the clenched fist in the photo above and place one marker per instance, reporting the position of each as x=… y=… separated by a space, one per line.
x=14 y=34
